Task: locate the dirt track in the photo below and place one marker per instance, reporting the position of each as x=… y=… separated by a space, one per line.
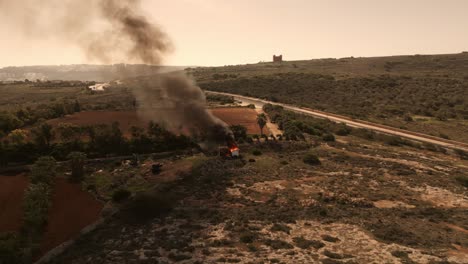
x=353 y=122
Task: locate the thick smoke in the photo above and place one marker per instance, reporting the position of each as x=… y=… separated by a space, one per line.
x=117 y=31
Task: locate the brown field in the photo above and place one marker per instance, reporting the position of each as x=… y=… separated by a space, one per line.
x=232 y=116
x=11 y=200
x=72 y=210
x=239 y=116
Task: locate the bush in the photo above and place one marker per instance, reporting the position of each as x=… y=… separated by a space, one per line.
x=280 y=228
x=121 y=195
x=343 y=130
x=303 y=243
x=43 y=170
x=278 y=244
x=146 y=206
x=247 y=237
x=329 y=137
x=311 y=159
x=77 y=161
x=256 y=152
x=463 y=180
x=463 y=154
x=35 y=208
x=10 y=249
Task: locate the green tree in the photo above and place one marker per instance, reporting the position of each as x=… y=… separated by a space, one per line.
x=77 y=162
x=261 y=121
x=17 y=136
x=43 y=134
x=77 y=106
x=239 y=132
x=9 y=122
x=67 y=131
x=43 y=170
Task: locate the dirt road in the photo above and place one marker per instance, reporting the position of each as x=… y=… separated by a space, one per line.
x=353 y=122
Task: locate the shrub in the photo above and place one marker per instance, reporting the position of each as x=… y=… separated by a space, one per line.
x=463 y=180
x=311 y=159
x=256 y=152
x=278 y=244
x=77 y=162
x=10 y=248
x=35 y=207
x=463 y=154
x=328 y=137
x=303 y=243
x=343 y=130
x=444 y=136
x=247 y=237
x=121 y=195
x=280 y=228
x=146 y=206
x=43 y=170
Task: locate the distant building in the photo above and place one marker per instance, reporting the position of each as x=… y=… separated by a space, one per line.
x=277 y=58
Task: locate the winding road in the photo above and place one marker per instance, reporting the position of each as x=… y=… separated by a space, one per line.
x=353 y=122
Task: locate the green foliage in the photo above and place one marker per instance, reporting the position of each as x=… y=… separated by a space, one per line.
x=256 y=152
x=303 y=243
x=280 y=228
x=77 y=162
x=463 y=180
x=239 y=132
x=311 y=159
x=261 y=121
x=9 y=122
x=43 y=170
x=35 y=208
x=121 y=195
x=278 y=244
x=148 y=205
x=223 y=99
x=361 y=96
x=43 y=134
x=10 y=249
x=328 y=137
x=248 y=237
x=343 y=130
x=462 y=154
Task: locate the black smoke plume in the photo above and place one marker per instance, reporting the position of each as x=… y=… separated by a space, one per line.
x=117 y=31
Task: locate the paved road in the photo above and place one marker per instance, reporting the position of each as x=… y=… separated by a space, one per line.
x=353 y=122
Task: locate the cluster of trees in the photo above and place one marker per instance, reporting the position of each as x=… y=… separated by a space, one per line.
x=223 y=99
x=379 y=96
x=294 y=126
x=94 y=140
x=10 y=121
x=22 y=247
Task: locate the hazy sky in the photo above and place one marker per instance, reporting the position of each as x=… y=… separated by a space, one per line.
x=223 y=32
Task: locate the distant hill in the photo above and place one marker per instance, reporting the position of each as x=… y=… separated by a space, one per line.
x=81 y=72
x=443 y=65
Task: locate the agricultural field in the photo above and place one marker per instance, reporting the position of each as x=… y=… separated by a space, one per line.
x=231 y=115
x=72 y=209
x=11 y=197
x=239 y=116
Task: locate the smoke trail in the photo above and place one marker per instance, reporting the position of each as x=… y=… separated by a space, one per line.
x=111 y=31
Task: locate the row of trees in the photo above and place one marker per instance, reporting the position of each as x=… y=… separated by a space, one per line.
x=95 y=141
x=10 y=121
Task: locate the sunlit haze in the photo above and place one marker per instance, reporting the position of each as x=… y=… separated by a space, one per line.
x=221 y=32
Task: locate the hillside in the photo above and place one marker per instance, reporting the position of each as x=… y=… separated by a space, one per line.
x=80 y=72
x=426 y=94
